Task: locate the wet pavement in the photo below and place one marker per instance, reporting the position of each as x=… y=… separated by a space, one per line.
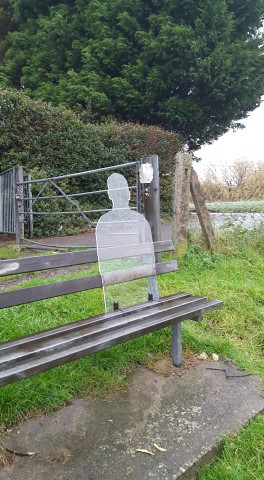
x=176 y=421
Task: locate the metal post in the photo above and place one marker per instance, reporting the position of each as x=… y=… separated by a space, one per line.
x=1 y=205
x=152 y=201
x=176 y=344
x=138 y=186
x=19 y=204
x=151 y=207
x=8 y=200
x=30 y=210
x=5 y=204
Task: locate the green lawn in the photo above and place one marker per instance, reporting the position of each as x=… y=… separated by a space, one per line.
x=242 y=455
x=9 y=252
x=235 y=275
x=246 y=206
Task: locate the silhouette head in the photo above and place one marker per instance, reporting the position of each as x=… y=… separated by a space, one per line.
x=118 y=190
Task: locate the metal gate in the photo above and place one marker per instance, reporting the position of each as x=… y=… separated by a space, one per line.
x=7 y=202
x=18 y=202
x=27 y=199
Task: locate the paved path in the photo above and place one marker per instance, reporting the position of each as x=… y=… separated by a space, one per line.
x=81 y=240
x=88 y=239
x=187 y=415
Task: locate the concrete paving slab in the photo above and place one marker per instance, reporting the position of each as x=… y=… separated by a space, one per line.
x=186 y=415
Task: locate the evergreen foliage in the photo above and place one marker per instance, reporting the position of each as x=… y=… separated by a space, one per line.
x=192 y=66
x=50 y=141
x=36 y=134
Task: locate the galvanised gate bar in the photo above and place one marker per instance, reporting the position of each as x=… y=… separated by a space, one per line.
x=7 y=201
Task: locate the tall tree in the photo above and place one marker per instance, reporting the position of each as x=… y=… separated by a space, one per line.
x=6 y=21
x=194 y=66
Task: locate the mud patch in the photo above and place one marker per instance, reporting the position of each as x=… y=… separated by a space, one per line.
x=163 y=365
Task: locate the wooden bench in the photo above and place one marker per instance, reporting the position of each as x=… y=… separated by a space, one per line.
x=35 y=353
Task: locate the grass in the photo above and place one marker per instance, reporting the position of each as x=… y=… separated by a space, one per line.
x=242 y=456
x=240 y=206
x=7 y=253
x=233 y=274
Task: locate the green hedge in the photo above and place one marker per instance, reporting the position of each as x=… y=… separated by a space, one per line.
x=50 y=140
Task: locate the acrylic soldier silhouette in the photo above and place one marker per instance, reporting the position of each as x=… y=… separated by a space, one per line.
x=125 y=248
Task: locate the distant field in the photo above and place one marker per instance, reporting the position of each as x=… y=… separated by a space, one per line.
x=246 y=206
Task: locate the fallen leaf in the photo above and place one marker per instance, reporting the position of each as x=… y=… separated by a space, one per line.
x=141 y=450
x=160 y=448
x=21 y=454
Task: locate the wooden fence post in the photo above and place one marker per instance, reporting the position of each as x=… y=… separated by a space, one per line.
x=182 y=178
x=19 y=205
x=201 y=210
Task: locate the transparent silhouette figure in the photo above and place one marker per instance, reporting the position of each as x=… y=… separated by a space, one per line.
x=125 y=249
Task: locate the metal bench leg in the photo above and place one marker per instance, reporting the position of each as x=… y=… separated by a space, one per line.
x=176 y=344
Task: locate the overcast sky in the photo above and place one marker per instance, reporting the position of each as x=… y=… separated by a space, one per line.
x=247 y=143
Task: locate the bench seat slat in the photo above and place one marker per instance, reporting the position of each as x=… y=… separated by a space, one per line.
x=79 y=324
x=56 y=289
x=102 y=324
x=46 y=262
x=125 y=332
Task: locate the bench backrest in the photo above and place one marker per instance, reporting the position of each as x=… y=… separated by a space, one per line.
x=65 y=287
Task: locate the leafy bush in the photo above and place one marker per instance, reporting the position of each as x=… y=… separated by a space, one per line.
x=243 y=180
x=50 y=141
